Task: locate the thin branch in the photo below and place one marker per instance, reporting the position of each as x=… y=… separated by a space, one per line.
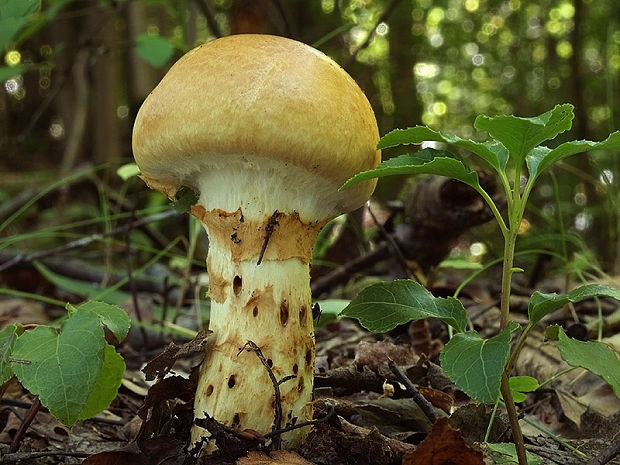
x=26 y=457
x=271 y=226
x=418 y=398
x=327 y=416
x=21 y=432
x=29 y=258
x=402 y=261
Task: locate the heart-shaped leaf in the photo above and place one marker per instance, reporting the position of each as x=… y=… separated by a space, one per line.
x=106 y=386
x=540 y=158
x=595 y=357
x=426 y=161
x=8 y=335
x=543 y=304
x=383 y=306
x=115 y=318
x=61 y=367
x=476 y=365
x=492 y=152
x=520 y=135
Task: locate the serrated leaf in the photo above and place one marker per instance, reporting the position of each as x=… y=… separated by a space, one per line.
x=426 y=161
x=155 y=50
x=491 y=152
x=383 y=306
x=61 y=367
x=519 y=385
x=595 y=357
x=115 y=318
x=542 y=304
x=475 y=364
x=106 y=387
x=541 y=158
x=505 y=452
x=520 y=135
x=127 y=171
x=8 y=335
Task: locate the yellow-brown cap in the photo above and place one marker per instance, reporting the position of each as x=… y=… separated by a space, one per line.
x=258 y=101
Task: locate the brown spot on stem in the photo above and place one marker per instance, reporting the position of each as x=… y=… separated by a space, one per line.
x=308 y=357
x=302 y=316
x=209 y=389
x=237 y=283
x=255 y=311
x=300 y=384
x=295 y=369
x=231 y=381
x=236 y=420
x=284 y=313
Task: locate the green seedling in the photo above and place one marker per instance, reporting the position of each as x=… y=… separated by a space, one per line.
x=481 y=367
x=71 y=368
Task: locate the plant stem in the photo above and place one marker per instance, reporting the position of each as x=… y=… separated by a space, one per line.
x=513 y=418
x=507 y=270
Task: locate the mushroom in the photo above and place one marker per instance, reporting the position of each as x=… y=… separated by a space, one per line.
x=265 y=130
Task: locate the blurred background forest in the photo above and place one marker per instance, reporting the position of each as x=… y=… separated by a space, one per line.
x=75 y=72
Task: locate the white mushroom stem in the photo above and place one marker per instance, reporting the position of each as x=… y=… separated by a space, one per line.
x=268 y=304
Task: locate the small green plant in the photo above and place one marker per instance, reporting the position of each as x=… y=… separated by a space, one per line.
x=71 y=368
x=482 y=367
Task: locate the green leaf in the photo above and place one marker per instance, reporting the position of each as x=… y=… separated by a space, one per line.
x=115 y=318
x=476 y=365
x=106 y=387
x=331 y=309
x=18 y=8
x=184 y=199
x=61 y=367
x=127 y=171
x=595 y=357
x=8 y=335
x=543 y=304
x=426 y=161
x=505 y=452
x=8 y=72
x=155 y=50
x=520 y=135
x=541 y=158
x=519 y=385
x=383 y=306
x=460 y=264
x=490 y=152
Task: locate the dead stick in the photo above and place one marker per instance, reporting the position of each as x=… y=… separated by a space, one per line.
x=21 y=432
x=418 y=398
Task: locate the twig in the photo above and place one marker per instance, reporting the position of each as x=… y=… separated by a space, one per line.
x=204 y=8
x=21 y=432
x=342 y=274
x=25 y=457
x=418 y=398
x=607 y=455
x=327 y=416
x=22 y=404
x=271 y=225
x=402 y=261
x=24 y=258
x=277 y=422
x=384 y=17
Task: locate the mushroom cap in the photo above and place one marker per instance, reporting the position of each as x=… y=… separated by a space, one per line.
x=259 y=103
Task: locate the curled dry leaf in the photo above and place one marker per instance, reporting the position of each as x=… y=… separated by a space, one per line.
x=443 y=446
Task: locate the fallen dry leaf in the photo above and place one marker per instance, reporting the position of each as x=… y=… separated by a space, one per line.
x=278 y=457
x=443 y=446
